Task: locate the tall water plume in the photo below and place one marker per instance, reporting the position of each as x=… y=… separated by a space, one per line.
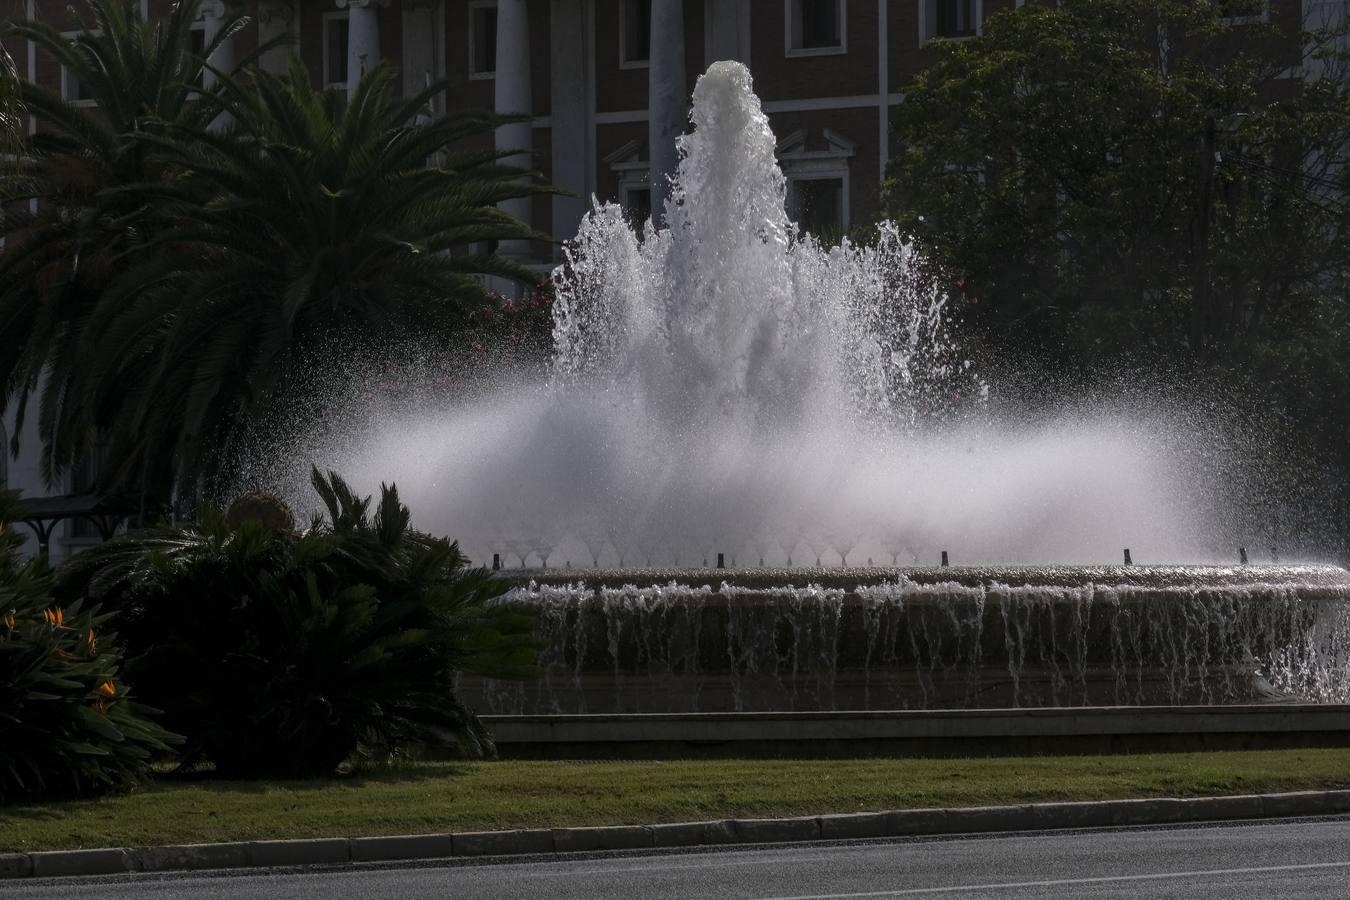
x=730 y=317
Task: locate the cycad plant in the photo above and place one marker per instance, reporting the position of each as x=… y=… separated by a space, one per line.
x=284 y=653
x=67 y=724
x=74 y=212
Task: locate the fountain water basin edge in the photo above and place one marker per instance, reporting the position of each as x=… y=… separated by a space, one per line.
x=924 y=639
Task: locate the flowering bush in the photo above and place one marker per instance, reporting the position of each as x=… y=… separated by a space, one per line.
x=519 y=329
x=279 y=652
x=67 y=724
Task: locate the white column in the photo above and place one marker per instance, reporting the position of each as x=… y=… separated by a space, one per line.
x=422 y=53
x=728 y=30
x=667 y=115
x=883 y=85
x=513 y=97
x=274 y=20
x=571 y=128
x=363 y=39
x=214 y=13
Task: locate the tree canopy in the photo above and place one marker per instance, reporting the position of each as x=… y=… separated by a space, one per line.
x=1129 y=174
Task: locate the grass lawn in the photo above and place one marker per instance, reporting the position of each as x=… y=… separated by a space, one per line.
x=439 y=797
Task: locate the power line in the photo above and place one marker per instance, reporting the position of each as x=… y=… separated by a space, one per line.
x=1266 y=168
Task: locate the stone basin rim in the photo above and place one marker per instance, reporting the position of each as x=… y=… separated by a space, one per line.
x=1310 y=577
x=1339 y=711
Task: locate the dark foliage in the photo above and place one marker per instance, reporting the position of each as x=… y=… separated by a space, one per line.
x=185 y=246
x=1117 y=176
x=1127 y=185
x=280 y=653
x=73 y=212
x=67 y=724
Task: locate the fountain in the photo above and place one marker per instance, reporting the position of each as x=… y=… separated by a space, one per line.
x=727 y=387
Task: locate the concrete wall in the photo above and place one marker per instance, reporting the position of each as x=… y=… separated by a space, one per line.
x=921 y=733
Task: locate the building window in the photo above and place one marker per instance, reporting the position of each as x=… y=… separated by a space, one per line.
x=197 y=41
x=956 y=18
x=817 y=205
x=1243 y=12
x=482 y=40
x=71 y=89
x=633 y=174
x=635 y=33
x=815 y=27
x=817 y=180
x=637 y=204
x=335 y=32
x=950 y=19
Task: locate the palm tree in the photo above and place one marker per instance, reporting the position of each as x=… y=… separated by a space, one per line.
x=63 y=250
x=310 y=217
x=11 y=118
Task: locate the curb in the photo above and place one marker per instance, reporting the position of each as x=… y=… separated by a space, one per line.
x=846 y=826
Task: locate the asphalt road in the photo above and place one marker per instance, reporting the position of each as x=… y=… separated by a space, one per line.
x=1287 y=859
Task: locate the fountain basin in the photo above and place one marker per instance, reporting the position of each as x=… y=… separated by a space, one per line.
x=783 y=640
x=981 y=732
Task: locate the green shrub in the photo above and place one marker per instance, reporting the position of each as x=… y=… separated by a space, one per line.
x=283 y=653
x=67 y=725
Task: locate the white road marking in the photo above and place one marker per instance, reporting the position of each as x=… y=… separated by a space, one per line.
x=1113 y=879
x=704 y=864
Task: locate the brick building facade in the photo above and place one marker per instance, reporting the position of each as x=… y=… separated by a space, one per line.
x=828 y=72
